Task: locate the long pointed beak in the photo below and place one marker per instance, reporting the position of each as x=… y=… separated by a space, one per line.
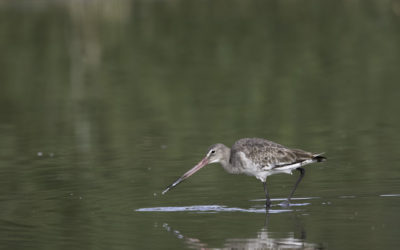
x=186 y=175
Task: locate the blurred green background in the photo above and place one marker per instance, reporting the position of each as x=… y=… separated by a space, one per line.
x=104 y=103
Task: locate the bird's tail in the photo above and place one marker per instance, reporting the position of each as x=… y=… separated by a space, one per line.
x=319 y=157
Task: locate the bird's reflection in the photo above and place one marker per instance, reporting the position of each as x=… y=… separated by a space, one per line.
x=264 y=239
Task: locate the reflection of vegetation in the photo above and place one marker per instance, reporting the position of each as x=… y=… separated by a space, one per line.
x=109 y=85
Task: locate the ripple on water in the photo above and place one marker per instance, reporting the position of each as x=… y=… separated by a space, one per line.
x=389 y=195
x=292 y=199
x=210 y=209
x=347 y=196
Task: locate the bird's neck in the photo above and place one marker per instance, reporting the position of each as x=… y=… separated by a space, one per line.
x=225 y=162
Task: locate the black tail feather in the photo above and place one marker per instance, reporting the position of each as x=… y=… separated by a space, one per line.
x=319 y=158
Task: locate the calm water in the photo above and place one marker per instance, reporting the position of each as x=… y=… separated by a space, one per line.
x=103 y=104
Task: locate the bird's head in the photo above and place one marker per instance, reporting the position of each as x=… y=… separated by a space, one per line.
x=216 y=153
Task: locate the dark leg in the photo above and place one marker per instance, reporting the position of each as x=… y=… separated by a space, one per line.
x=302 y=172
x=267 y=200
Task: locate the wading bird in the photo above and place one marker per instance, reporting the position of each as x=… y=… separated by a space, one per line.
x=256 y=157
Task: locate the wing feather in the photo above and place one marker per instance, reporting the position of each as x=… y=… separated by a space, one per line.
x=268 y=154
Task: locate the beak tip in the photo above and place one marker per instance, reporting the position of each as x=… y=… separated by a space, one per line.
x=172 y=185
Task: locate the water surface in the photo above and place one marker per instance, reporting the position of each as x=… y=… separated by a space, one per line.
x=104 y=104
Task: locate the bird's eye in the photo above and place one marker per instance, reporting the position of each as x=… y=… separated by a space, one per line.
x=212 y=151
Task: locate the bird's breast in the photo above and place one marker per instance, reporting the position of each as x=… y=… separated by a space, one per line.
x=248 y=166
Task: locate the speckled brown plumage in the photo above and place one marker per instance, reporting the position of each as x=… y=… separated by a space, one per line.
x=265 y=153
